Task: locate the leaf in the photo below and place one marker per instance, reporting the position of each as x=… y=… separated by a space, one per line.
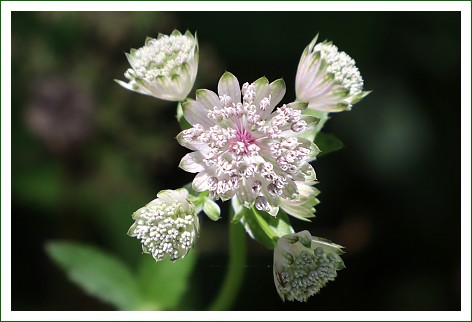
x=98 y=273
x=164 y=283
x=211 y=209
x=264 y=228
x=327 y=143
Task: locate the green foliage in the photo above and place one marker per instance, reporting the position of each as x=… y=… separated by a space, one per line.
x=164 y=283
x=156 y=286
x=263 y=227
x=327 y=143
x=99 y=274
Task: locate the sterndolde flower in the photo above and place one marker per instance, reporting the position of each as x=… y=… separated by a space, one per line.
x=247 y=148
x=165 y=67
x=328 y=79
x=303 y=264
x=167 y=226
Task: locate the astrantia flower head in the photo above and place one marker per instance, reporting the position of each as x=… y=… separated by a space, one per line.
x=167 y=226
x=303 y=264
x=245 y=148
x=328 y=79
x=165 y=67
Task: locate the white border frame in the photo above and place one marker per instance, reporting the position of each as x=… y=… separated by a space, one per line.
x=464 y=7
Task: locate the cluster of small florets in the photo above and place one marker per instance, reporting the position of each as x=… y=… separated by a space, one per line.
x=165 y=230
x=247 y=149
x=161 y=57
x=303 y=264
x=309 y=272
x=342 y=66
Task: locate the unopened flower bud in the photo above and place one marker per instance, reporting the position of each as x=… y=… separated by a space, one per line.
x=303 y=264
x=165 y=67
x=167 y=226
x=328 y=79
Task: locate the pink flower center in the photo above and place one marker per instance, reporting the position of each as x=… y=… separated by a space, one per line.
x=244 y=143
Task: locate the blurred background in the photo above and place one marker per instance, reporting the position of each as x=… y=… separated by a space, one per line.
x=86 y=153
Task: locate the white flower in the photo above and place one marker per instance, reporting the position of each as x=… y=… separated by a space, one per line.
x=167 y=226
x=165 y=67
x=304 y=207
x=303 y=264
x=328 y=79
x=246 y=148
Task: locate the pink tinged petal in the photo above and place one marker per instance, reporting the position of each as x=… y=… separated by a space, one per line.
x=192 y=162
x=229 y=85
x=207 y=99
x=195 y=113
x=314 y=73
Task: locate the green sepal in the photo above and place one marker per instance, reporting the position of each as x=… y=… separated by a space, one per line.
x=211 y=209
x=184 y=124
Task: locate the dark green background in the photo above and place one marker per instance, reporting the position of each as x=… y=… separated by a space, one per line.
x=391 y=196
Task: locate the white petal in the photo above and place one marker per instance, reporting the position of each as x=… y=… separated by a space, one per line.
x=277 y=91
x=192 y=162
x=195 y=113
x=262 y=89
x=207 y=99
x=200 y=181
x=229 y=85
x=192 y=145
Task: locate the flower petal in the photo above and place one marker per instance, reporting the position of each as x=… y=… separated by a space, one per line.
x=192 y=162
x=192 y=145
x=200 y=182
x=195 y=113
x=229 y=85
x=207 y=99
x=277 y=91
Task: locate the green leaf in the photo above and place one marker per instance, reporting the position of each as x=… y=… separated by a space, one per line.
x=98 y=273
x=264 y=228
x=181 y=119
x=164 y=283
x=327 y=143
x=211 y=209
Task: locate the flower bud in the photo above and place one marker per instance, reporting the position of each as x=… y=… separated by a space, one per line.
x=165 y=67
x=328 y=79
x=167 y=226
x=303 y=264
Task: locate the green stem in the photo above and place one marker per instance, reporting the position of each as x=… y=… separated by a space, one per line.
x=235 y=273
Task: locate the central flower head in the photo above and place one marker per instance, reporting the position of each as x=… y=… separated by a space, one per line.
x=245 y=147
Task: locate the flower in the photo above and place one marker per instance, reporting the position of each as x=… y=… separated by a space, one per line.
x=328 y=79
x=247 y=149
x=303 y=264
x=165 y=67
x=304 y=207
x=167 y=226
